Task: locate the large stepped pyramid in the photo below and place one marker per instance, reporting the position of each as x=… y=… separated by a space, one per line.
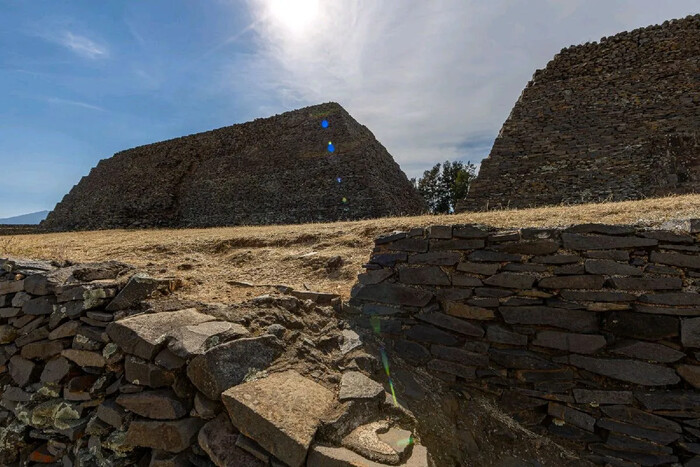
x=315 y=164
x=613 y=120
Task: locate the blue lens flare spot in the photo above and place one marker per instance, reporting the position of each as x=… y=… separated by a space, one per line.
x=338 y=179
x=324 y=123
x=331 y=148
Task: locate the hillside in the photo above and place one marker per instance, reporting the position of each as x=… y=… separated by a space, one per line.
x=25 y=219
x=218 y=260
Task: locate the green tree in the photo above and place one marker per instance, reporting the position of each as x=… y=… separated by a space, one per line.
x=445 y=184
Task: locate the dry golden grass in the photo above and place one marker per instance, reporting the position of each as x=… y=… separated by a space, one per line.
x=211 y=260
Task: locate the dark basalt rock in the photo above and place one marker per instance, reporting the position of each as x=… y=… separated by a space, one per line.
x=275 y=170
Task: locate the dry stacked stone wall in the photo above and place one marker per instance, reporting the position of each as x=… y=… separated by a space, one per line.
x=609 y=120
x=91 y=375
x=590 y=333
x=276 y=170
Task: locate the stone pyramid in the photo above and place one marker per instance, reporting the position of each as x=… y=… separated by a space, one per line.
x=276 y=170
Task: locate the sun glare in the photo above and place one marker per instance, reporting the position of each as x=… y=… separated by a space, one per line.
x=294 y=15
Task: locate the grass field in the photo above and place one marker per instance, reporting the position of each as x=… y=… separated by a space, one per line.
x=212 y=261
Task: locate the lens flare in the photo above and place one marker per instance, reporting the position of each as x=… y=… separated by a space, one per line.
x=345 y=200
x=324 y=123
x=405 y=442
x=331 y=148
x=385 y=363
x=338 y=179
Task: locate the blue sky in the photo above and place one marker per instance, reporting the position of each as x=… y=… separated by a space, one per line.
x=433 y=80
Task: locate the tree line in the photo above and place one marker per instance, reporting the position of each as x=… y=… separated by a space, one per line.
x=445 y=184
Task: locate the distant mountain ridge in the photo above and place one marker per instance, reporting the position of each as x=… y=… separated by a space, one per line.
x=32 y=218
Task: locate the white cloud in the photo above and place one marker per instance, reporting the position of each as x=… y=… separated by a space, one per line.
x=82 y=45
x=433 y=80
x=85 y=105
x=60 y=31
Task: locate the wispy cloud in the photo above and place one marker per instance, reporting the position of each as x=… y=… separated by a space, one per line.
x=61 y=32
x=82 y=45
x=433 y=80
x=84 y=105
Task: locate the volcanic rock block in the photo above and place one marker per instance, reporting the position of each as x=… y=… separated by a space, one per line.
x=245 y=174
x=39 y=306
x=228 y=364
x=365 y=441
x=144 y=335
x=500 y=335
x=691 y=374
x=599 y=397
x=627 y=370
x=393 y=294
x=451 y=323
x=139 y=287
x=159 y=405
x=138 y=371
x=171 y=436
x=572 y=282
x=573 y=320
x=432 y=275
x=355 y=385
x=281 y=412
x=55 y=370
x=84 y=357
x=578 y=343
x=196 y=339
x=218 y=439
x=7 y=287
x=648 y=351
x=326 y=456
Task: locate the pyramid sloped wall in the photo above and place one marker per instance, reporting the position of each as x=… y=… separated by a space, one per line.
x=614 y=120
x=269 y=171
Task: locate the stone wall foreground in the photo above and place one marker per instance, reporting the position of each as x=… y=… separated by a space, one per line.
x=92 y=376
x=276 y=170
x=590 y=333
x=612 y=120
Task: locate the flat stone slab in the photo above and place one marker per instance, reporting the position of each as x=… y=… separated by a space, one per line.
x=326 y=456
x=578 y=343
x=627 y=370
x=144 y=335
x=171 y=436
x=228 y=364
x=394 y=294
x=198 y=338
x=648 y=351
x=355 y=385
x=281 y=413
x=365 y=440
x=139 y=287
x=159 y=405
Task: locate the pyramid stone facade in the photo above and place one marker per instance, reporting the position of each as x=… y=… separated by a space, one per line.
x=275 y=170
x=612 y=120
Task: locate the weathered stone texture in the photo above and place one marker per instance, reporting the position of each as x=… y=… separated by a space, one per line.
x=614 y=120
x=276 y=170
x=282 y=412
x=581 y=320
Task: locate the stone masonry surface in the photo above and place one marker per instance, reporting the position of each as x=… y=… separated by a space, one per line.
x=99 y=367
x=613 y=120
x=589 y=333
x=276 y=170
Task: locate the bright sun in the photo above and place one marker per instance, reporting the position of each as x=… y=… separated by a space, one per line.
x=294 y=15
